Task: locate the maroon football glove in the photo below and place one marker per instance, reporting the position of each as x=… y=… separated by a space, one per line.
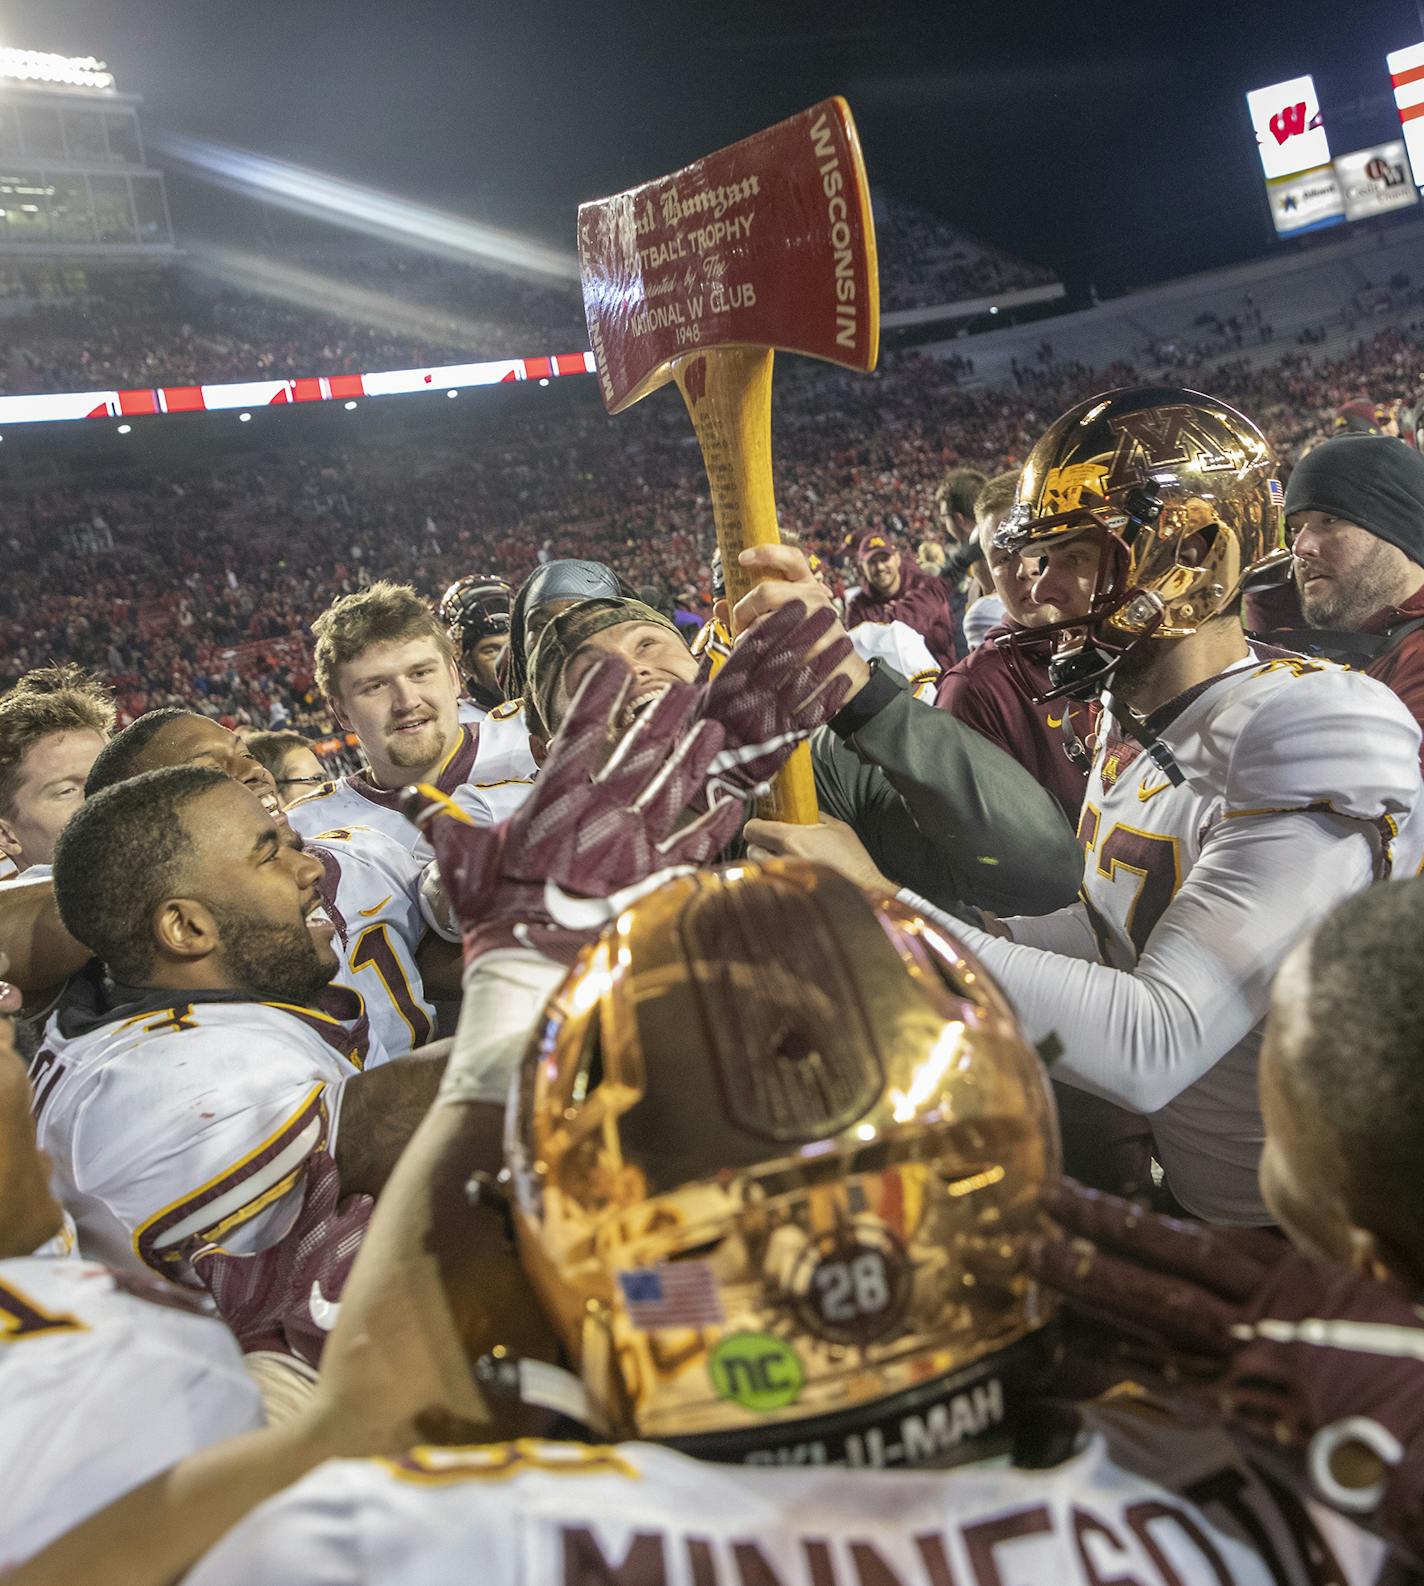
x=775 y=689
x=1313 y=1361
x=599 y=829
x=286 y=1296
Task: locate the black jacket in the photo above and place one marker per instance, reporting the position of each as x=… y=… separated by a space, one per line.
x=941 y=809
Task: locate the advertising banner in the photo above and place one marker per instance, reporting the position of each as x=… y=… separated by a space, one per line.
x=1290 y=133
x=1306 y=201
x=1406 y=72
x=1375 y=181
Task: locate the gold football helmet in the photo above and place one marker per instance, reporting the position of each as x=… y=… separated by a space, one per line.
x=1184 y=490
x=774 y=1158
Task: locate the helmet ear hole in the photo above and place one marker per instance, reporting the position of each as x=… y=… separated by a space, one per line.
x=592 y=1076
x=1194 y=552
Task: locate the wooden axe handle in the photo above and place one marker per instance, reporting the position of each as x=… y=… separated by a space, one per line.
x=728 y=393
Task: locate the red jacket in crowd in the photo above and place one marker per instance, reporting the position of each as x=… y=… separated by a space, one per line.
x=922 y=602
x=1401 y=667
x=984 y=694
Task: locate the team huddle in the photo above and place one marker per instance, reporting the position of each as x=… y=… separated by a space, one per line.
x=516 y=1159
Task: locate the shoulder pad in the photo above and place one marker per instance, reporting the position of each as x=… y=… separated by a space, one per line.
x=1329 y=739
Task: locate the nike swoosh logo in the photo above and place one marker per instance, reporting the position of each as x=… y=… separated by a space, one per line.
x=324 y=1312
x=1144 y=792
x=375 y=907
x=1055 y=721
x=575 y=913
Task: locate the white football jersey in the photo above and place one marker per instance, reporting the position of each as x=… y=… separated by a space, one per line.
x=197 y=1119
x=469 y=714
x=1296 y=775
x=10 y=876
x=371 y=889
x=104 y=1386
x=541 y=1514
x=898 y=645
x=490 y=773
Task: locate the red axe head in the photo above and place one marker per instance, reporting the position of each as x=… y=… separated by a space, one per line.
x=767 y=243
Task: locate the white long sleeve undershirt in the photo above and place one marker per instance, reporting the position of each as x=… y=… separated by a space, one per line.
x=1158 y=1036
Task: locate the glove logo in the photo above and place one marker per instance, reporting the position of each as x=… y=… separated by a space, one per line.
x=324 y=1312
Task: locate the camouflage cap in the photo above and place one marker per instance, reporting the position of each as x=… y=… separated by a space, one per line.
x=568 y=633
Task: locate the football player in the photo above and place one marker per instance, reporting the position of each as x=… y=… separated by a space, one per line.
x=778 y=1221
x=53 y=724
x=104 y=1385
x=387 y=669
x=200 y=1088
x=1318 y=1352
x=475 y=612
x=370 y=883
x=108 y=1380
x=1236 y=794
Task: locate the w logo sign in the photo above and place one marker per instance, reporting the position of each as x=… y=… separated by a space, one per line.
x=1289 y=122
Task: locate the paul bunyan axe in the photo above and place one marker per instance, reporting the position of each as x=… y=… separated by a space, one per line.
x=699 y=277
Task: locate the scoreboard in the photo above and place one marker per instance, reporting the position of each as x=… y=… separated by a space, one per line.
x=1306 y=188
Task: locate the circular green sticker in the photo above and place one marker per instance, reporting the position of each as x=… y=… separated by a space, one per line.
x=756 y=1370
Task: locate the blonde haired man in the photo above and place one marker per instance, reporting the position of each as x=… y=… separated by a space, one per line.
x=388 y=672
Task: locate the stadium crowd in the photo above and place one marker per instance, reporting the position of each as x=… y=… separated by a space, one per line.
x=924 y=261
x=188 y=576
x=162 y=327
x=508 y=1094
x=179 y=326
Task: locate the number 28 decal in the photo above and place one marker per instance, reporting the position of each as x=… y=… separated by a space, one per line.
x=852 y=1286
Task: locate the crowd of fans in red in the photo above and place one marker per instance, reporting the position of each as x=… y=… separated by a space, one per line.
x=202 y=583
x=185 y=587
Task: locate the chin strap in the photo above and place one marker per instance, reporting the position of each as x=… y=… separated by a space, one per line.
x=1073 y=745
x=541 y=1385
x=1133 y=727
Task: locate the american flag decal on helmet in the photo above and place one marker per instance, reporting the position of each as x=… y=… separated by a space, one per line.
x=672 y=1294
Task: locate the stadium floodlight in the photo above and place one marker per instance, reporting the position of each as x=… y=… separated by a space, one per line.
x=39 y=66
x=367 y=209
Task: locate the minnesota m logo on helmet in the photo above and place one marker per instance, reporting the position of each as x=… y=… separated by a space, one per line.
x=1169 y=437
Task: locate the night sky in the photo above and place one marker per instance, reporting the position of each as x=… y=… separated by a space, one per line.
x=1107 y=141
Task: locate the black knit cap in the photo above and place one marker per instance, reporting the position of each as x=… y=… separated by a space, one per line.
x=1376 y=481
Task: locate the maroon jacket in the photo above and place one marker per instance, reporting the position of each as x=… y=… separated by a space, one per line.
x=922 y=602
x=984 y=694
x=1402 y=667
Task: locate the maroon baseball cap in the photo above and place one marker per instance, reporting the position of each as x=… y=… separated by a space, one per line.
x=869 y=542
